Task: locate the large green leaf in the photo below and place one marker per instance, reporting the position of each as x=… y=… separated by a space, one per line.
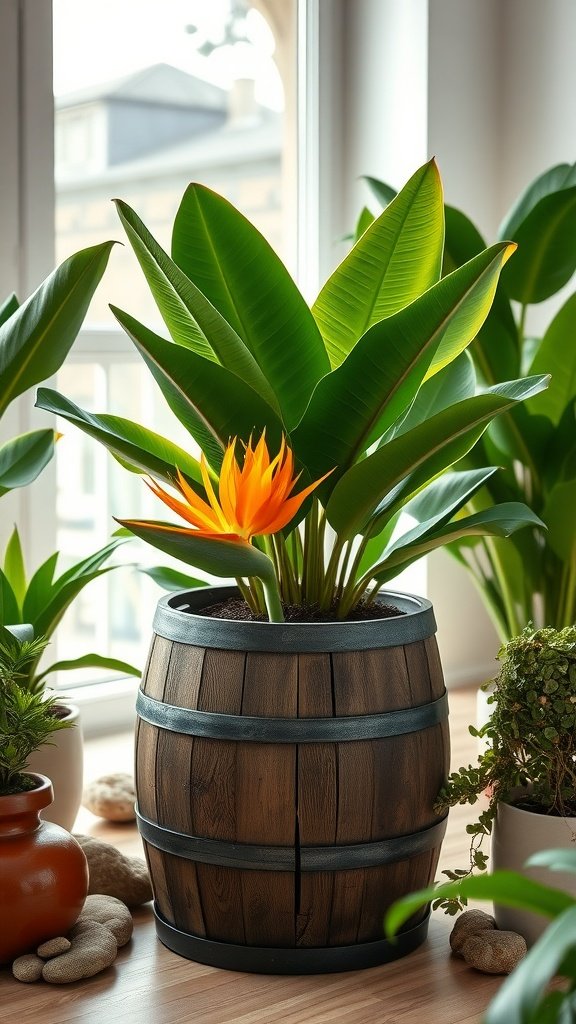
x=139 y=449
x=454 y=383
x=241 y=275
x=170 y=579
x=14 y=566
x=90 y=661
x=553 y=180
x=217 y=557
x=38 y=336
x=463 y=240
x=439 y=501
x=382 y=374
x=397 y=258
x=418 y=456
x=499 y=521
x=546 y=257
x=556 y=355
x=191 y=319
x=507 y=887
x=9 y=608
x=211 y=402
x=559 y=516
x=8 y=307
x=23 y=458
x=384 y=193
x=519 y=999
x=38 y=589
x=561 y=859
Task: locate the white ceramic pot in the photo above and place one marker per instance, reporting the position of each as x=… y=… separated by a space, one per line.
x=516 y=835
x=62 y=760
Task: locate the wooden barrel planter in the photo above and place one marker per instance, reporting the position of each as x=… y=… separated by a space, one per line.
x=285 y=778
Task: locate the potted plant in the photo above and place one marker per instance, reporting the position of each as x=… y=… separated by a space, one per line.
x=44 y=876
x=527 y=996
x=267 y=750
x=35 y=338
x=530 y=578
x=527 y=768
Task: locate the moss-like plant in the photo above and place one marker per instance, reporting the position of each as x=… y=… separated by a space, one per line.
x=530 y=737
x=27 y=720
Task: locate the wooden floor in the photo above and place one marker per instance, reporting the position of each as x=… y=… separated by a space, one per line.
x=150 y=985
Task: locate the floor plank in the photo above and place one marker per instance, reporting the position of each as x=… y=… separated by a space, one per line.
x=148 y=984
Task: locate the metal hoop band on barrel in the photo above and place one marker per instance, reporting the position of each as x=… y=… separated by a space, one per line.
x=210 y=725
x=284 y=858
x=302 y=960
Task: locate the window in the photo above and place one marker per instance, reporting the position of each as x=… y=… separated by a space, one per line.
x=195 y=95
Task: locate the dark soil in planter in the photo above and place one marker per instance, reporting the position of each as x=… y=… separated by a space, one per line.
x=528 y=805
x=234 y=608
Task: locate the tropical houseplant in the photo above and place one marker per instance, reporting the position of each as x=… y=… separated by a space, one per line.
x=532 y=577
x=527 y=767
x=320 y=432
x=35 y=339
x=44 y=877
x=526 y=997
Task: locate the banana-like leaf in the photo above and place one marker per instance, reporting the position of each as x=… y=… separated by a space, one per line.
x=463 y=240
x=211 y=402
x=381 y=375
x=171 y=579
x=14 y=567
x=499 y=521
x=8 y=307
x=558 y=514
x=191 y=319
x=89 y=661
x=24 y=457
x=496 y=349
x=557 y=354
x=444 y=497
x=384 y=193
x=61 y=598
x=395 y=260
x=217 y=557
x=38 y=589
x=240 y=274
x=523 y=996
x=562 y=859
x=454 y=383
x=546 y=257
x=510 y=888
x=9 y=609
x=403 y=466
x=36 y=339
x=139 y=449
x=364 y=221
x=559 y=177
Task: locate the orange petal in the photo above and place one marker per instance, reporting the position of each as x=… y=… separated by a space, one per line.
x=200 y=516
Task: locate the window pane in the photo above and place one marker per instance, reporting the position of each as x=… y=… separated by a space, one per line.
x=150 y=95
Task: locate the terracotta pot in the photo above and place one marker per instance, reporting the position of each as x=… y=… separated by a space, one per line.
x=62 y=760
x=516 y=835
x=286 y=775
x=43 y=873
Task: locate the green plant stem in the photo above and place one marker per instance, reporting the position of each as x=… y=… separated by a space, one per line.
x=247 y=594
x=288 y=582
x=271 y=587
x=310 y=582
x=513 y=624
x=568 y=592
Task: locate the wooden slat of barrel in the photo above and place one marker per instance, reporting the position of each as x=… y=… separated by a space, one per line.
x=175 y=787
x=214 y=789
x=266 y=799
x=154 y=681
x=317 y=800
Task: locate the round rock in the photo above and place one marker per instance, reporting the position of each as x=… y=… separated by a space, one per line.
x=111 y=797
